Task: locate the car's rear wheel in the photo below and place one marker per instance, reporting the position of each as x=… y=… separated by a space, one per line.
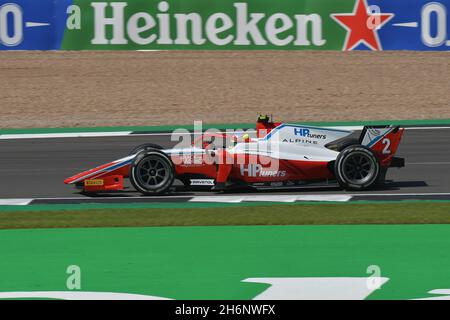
x=341 y=145
x=152 y=172
x=357 y=168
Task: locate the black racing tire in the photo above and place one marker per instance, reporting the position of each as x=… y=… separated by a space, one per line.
x=145 y=146
x=152 y=172
x=357 y=168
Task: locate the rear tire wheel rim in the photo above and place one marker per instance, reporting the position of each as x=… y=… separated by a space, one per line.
x=152 y=173
x=358 y=168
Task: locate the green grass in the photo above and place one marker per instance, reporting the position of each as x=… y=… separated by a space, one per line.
x=292 y=214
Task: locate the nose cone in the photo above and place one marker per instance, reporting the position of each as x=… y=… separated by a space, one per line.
x=86 y=174
x=74 y=178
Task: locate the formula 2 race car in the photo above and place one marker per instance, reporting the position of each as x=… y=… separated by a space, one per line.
x=279 y=155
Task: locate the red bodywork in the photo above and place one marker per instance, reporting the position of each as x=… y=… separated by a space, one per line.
x=290 y=169
x=385 y=152
x=100 y=178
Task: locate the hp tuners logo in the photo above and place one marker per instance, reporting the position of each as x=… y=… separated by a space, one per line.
x=301 y=132
x=257 y=170
x=306 y=133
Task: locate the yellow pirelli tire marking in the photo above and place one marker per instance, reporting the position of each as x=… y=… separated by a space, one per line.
x=93 y=182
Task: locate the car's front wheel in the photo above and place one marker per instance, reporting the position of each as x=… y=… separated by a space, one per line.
x=145 y=146
x=357 y=168
x=152 y=172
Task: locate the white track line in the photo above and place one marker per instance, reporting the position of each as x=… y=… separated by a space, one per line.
x=189 y=196
x=64 y=135
x=271 y=198
x=400 y=194
x=127 y=133
x=427 y=128
x=224 y=198
x=429 y=163
x=113 y=197
x=15 y=202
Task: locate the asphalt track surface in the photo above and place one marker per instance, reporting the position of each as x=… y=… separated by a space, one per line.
x=36 y=168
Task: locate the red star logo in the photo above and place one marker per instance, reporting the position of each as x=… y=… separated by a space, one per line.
x=361 y=26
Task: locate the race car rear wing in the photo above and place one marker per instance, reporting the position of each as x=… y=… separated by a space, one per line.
x=384 y=142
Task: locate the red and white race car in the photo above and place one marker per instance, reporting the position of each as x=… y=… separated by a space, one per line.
x=280 y=155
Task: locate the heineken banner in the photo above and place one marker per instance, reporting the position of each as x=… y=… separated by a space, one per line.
x=225 y=25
